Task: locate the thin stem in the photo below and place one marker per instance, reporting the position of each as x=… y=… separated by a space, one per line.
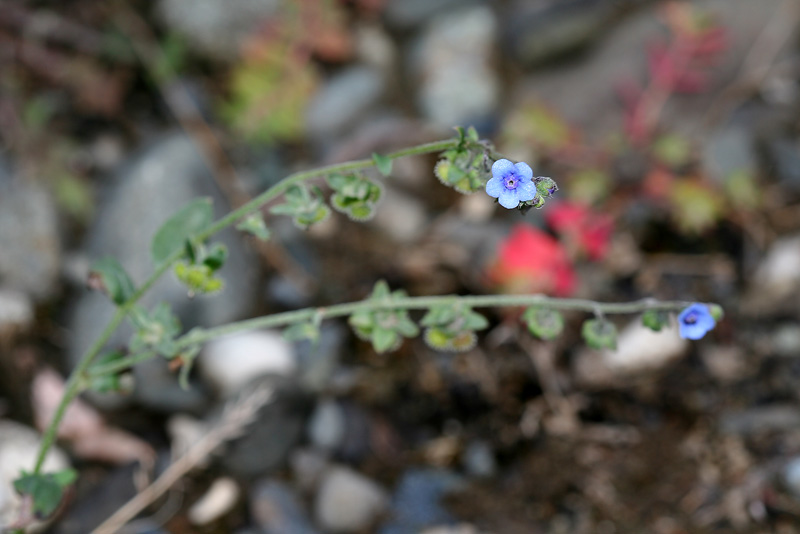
x=74 y=387
x=406 y=303
x=75 y=383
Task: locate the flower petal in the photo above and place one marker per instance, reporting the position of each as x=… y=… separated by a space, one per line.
x=523 y=169
x=526 y=190
x=494 y=187
x=502 y=167
x=508 y=199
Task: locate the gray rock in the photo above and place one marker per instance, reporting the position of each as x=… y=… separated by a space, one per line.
x=791 y=476
x=621 y=55
x=217 y=28
x=319 y=361
x=308 y=466
x=29 y=240
x=478 y=459
x=347 y=501
x=402 y=217
x=729 y=150
x=536 y=32
x=145 y=193
x=416 y=502
x=267 y=442
x=276 y=509
x=772 y=418
x=326 y=427
x=16 y=311
x=409 y=14
x=345 y=98
x=786 y=340
x=785 y=156
x=452 y=63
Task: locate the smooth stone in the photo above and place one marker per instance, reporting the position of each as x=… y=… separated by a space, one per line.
x=308 y=466
x=19 y=446
x=345 y=98
x=776 y=282
x=217 y=501
x=319 y=361
x=276 y=509
x=326 y=427
x=786 y=340
x=16 y=310
x=729 y=150
x=478 y=459
x=770 y=418
x=791 y=476
x=29 y=237
x=229 y=363
x=269 y=439
x=216 y=28
x=416 y=502
x=453 y=65
x=785 y=156
x=409 y=14
x=537 y=32
x=347 y=501
x=402 y=217
x=639 y=351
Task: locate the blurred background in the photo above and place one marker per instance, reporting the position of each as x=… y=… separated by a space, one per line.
x=672 y=130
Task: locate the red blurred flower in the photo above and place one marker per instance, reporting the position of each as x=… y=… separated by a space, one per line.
x=531 y=261
x=588 y=230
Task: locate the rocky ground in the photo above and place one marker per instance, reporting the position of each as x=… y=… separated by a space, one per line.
x=672 y=131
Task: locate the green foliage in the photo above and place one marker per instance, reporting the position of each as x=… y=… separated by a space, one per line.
x=45 y=489
x=198 y=273
x=599 y=334
x=193 y=218
x=305 y=206
x=354 y=195
x=464 y=168
x=672 y=150
x=543 y=323
x=106 y=383
x=108 y=275
x=308 y=331
x=384 y=328
x=255 y=226
x=382 y=163
x=451 y=327
x=156 y=330
x=655 y=320
x=270 y=91
x=695 y=206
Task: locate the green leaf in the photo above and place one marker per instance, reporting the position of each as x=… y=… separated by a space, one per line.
x=155 y=330
x=302 y=332
x=543 y=323
x=46 y=489
x=384 y=339
x=255 y=226
x=114 y=281
x=672 y=150
x=655 y=320
x=382 y=163
x=599 y=334
x=190 y=220
x=216 y=257
x=475 y=321
x=380 y=291
x=106 y=383
x=472 y=134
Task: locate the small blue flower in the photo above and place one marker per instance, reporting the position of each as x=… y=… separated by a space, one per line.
x=511 y=184
x=695 y=320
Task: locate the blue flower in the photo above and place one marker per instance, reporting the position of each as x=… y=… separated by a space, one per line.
x=695 y=320
x=511 y=184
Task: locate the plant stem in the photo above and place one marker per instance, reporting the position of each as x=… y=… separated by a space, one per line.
x=75 y=383
x=407 y=303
